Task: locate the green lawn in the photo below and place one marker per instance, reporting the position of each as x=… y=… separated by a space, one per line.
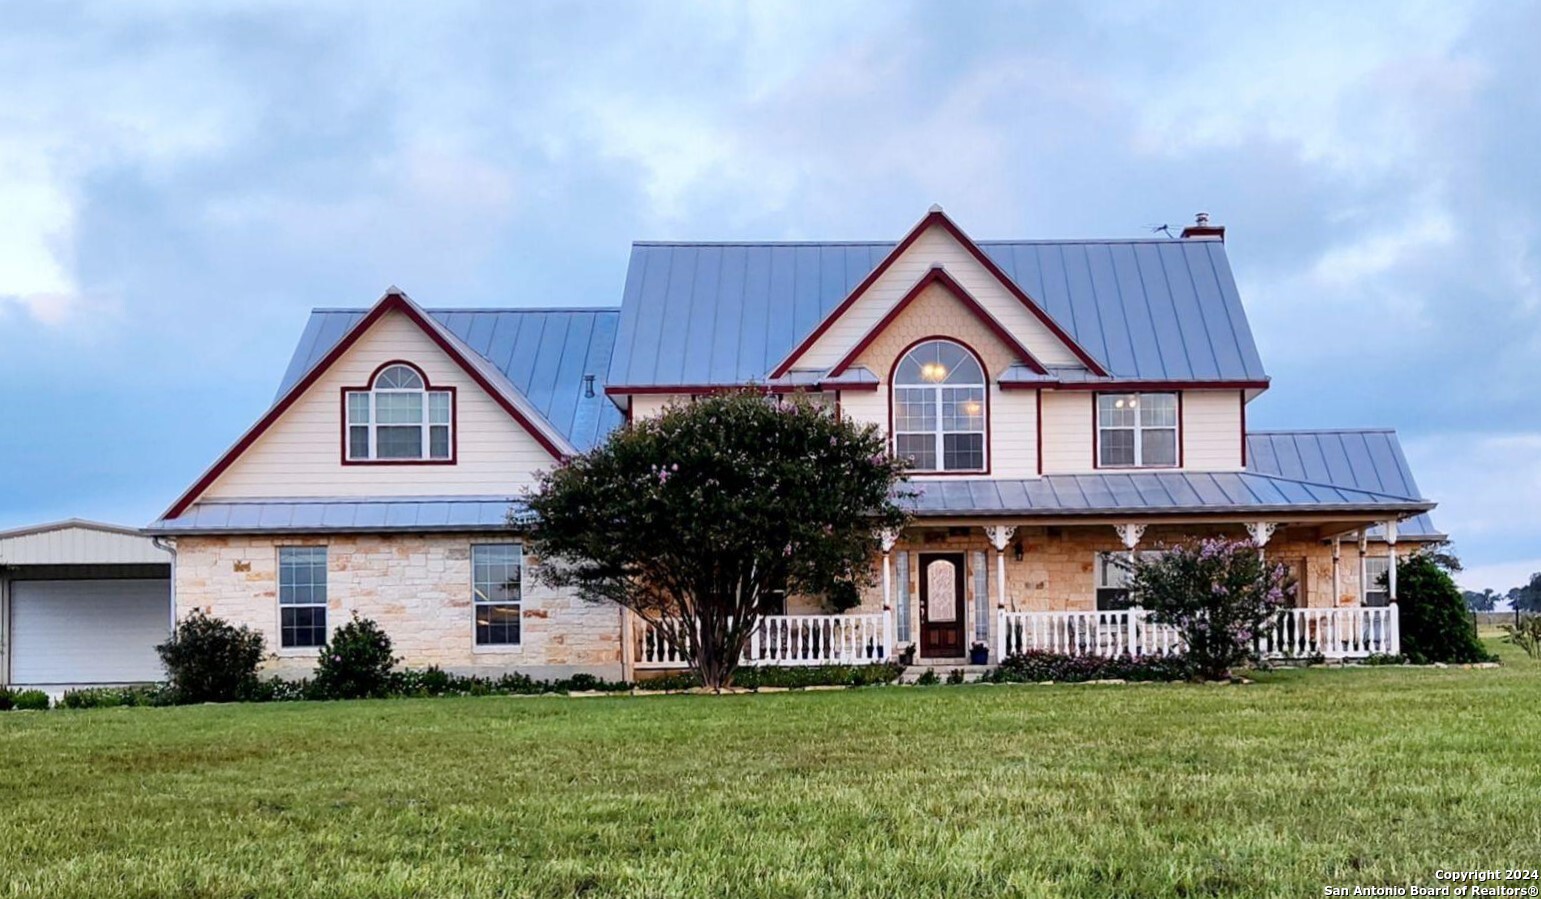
x=1304 y=779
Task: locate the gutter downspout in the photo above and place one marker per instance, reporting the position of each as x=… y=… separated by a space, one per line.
x=170 y=546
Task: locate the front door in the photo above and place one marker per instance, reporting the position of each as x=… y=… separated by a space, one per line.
x=941 y=606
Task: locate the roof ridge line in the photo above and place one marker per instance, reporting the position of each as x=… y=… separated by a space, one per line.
x=1002 y=241
x=497 y=309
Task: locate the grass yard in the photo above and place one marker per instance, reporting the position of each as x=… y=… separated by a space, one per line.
x=1305 y=779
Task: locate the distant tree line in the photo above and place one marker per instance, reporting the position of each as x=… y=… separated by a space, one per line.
x=1526 y=598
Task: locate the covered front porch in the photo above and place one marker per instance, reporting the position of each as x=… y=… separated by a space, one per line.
x=946 y=590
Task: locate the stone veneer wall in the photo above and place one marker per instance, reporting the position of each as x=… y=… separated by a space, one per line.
x=418 y=587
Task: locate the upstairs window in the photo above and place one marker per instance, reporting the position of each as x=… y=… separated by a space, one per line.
x=1137 y=430
x=399 y=419
x=939 y=408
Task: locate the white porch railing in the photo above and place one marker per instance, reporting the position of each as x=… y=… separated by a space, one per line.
x=1342 y=633
x=780 y=641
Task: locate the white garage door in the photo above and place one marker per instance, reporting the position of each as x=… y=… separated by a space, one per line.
x=88 y=632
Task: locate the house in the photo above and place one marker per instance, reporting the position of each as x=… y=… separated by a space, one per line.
x=1063 y=404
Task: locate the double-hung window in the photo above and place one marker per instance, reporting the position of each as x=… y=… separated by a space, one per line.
x=1375 y=591
x=939 y=408
x=1113 y=571
x=301 y=596
x=497 y=576
x=1137 y=430
x=399 y=419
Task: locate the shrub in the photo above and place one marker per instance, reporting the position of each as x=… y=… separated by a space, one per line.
x=277 y=689
x=356 y=663
x=208 y=659
x=928 y=678
x=1037 y=665
x=1526 y=635
x=1434 y=621
x=29 y=700
x=1218 y=593
x=1383 y=658
x=114 y=697
x=955 y=677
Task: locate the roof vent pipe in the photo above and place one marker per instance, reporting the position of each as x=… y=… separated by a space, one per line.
x=1201 y=228
x=588 y=385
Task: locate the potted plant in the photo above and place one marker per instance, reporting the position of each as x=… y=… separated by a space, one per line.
x=907 y=655
x=979 y=654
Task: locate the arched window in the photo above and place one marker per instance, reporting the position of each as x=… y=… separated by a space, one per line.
x=398 y=418
x=939 y=408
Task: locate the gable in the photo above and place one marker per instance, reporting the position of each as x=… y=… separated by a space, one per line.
x=296 y=451
x=548 y=355
x=935 y=311
x=1153 y=310
x=936 y=245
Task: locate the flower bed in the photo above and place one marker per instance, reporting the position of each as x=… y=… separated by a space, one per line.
x=1036 y=666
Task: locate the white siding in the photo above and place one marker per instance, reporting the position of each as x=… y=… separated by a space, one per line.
x=1013 y=433
x=1212 y=430
x=866 y=406
x=301 y=454
x=1067 y=432
x=79 y=545
x=648 y=405
x=932 y=247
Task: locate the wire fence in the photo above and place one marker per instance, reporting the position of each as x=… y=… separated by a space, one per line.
x=1495 y=620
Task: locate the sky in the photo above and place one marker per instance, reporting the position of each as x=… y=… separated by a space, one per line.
x=179 y=185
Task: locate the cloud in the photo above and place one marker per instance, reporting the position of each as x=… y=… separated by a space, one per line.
x=182 y=182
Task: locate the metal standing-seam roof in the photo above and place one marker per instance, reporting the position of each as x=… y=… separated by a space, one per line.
x=728 y=313
x=544 y=353
x=1363 y=459
x=372 y=514
x=1156 y=493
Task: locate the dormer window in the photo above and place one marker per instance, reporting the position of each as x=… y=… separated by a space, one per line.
x=399 y=418
x=939 y=408
x=1137 y=430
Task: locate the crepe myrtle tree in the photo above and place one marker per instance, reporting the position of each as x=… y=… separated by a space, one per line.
x=705 y=513
x=1219 y=594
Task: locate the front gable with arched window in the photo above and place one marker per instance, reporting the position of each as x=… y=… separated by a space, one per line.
x=398 y=418
x=940 y=401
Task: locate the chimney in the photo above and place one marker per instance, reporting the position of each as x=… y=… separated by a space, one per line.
x=1202 y=229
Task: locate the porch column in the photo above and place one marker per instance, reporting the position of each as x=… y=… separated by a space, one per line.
x=1261 y=531
x=999 y=535
x=1364 y=550
x=886 y=539
x=1130 y=534
x=1391 y=551
x=1337 y=588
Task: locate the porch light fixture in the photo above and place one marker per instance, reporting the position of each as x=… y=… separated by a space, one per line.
x=1017 y=550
